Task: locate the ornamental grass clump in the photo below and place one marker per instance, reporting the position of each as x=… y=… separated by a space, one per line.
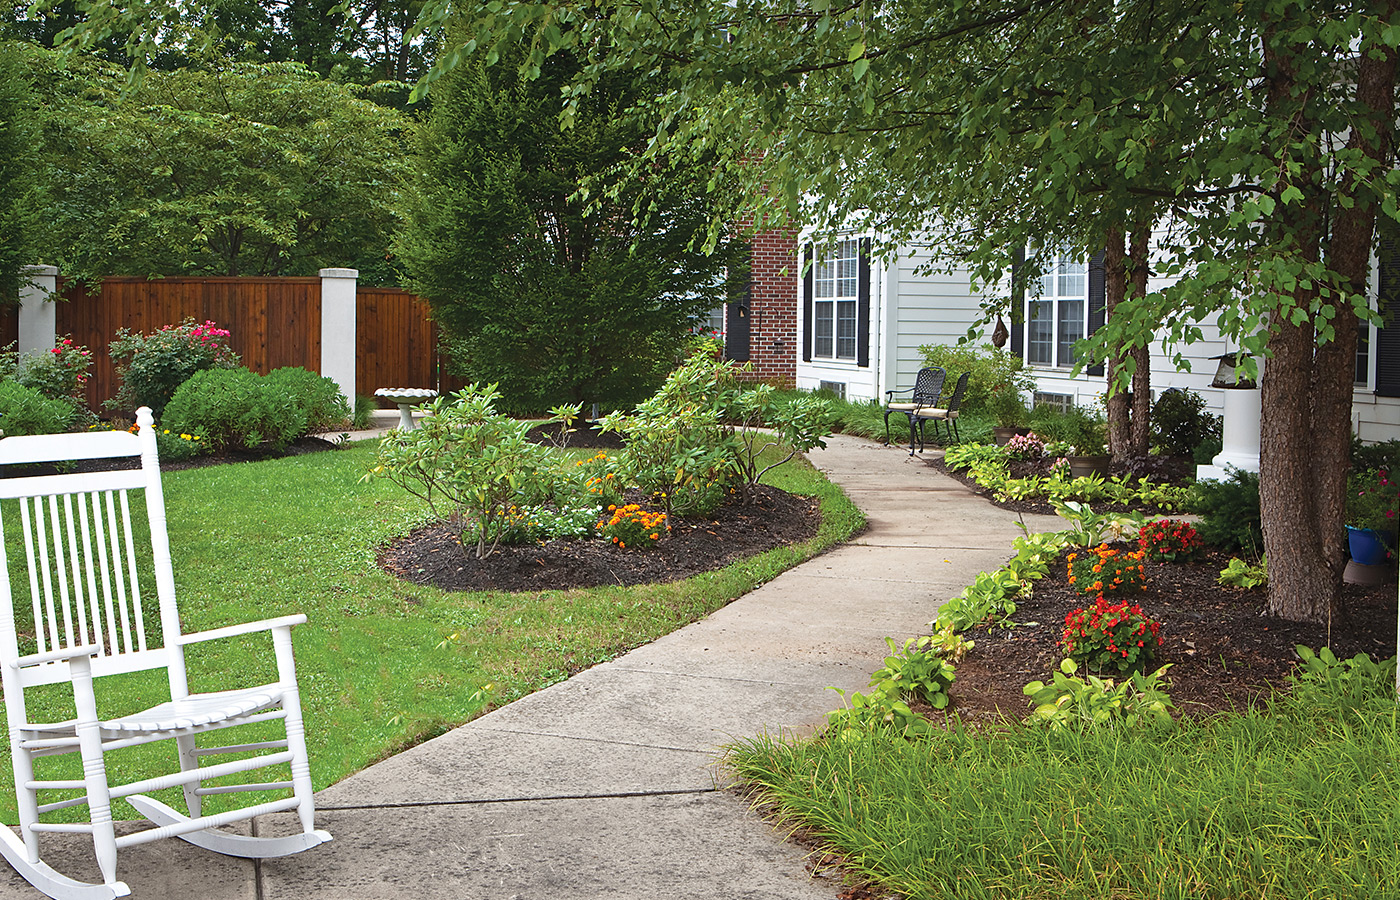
x=1111 y=636
x=632 y=526
x=1167 y=540
x=1106 y=570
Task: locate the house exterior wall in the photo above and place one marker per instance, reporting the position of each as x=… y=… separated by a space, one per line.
x=773 y=306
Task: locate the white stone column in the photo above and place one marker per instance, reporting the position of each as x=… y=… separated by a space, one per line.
x=1239 y=445
x=38 y=317
x=338 y=328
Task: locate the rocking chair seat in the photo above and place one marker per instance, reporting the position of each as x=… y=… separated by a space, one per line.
x=187 y=714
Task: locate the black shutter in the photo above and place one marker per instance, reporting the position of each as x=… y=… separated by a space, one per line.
x=1097 y=302
x=863 y=306
x=1387 y=347
x=808 y=264
x=1018 y=303
x=739 y=310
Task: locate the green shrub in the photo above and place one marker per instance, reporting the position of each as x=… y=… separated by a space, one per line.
x=1229 y=512
x=1369 y=457
x=471 y=465
x=1083 y=429
x=997 y=381
x=151 y=367
x=24 y=410
x=1180 y=423
x=235 y=408
x=319 y=397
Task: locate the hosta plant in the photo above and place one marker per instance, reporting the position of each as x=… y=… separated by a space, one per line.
x=1111 y=636
x=1245 y=575
x=918 y=669
x=1072 y=702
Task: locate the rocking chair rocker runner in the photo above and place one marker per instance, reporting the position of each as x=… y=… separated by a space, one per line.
x=87 y=622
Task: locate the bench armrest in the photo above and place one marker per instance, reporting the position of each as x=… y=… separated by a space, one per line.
x=246 y=628
x=68 y=653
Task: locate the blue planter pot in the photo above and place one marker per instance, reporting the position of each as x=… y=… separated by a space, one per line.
x=1367 y=546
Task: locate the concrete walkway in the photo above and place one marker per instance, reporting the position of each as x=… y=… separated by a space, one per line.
x=605 y=785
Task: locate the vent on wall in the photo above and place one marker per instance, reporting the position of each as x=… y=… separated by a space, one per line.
x=836 y=387
x=1063 y=402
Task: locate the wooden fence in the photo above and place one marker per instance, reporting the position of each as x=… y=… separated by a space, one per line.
x=273 y=322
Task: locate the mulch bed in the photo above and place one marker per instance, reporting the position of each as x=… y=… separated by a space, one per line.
x=585 y=436
x=1225 y=652
x=432 y=555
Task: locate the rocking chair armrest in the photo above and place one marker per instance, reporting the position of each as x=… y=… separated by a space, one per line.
x=66 y=653
x=245 y=628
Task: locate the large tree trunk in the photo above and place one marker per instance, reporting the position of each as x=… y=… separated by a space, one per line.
x=1115 y=287
x=1306 y=389
x=1128 y=415
x=1142 y=374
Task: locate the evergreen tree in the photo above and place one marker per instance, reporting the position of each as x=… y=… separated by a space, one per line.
x=552 y=296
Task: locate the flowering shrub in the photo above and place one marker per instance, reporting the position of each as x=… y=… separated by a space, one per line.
x=1025 y=446
x=59 y=374
x=151 y=366
x=632 y=526
x=1106 y=570
x=1170 y=541
x=1372 y=501
x=1111 y=636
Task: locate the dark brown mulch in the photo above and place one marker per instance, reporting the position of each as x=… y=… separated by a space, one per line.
x=431 y=555
x=585 y=436
x=1225 y=653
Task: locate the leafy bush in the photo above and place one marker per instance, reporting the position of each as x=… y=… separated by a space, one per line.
x=1106 y=571
x=997 y=379
x=1169 y=541
x=24 y=410
x=1372 y=500
x=320 y=400
x=1084 y=430
x=151 y=367
x=470 y=464
x=697 y=436
x=235 y=408
x=1229 y=512
x=632 y=526
x=1368 y=457
x=1180 y=423
x=1110 y=636
x=1073 y=702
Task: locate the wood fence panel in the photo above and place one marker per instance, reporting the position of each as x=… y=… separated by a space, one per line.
x=395 y=341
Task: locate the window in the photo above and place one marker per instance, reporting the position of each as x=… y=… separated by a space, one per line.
x=836 y=290
x=1056 y=318
x=1363 y=354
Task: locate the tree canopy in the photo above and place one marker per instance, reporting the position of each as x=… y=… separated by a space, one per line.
x=217 y=169
x=17 y=172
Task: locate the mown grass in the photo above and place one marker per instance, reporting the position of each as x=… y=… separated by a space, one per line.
x=378 y=665
x=1287 y=802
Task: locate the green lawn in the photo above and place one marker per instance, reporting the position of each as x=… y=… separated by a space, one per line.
x=1294 y=802
x=378 y=666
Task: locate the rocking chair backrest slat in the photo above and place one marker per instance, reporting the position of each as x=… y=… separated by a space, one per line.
x=82 y=556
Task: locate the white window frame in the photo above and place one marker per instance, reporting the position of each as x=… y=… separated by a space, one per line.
x=1065 y=282
x=836 y=301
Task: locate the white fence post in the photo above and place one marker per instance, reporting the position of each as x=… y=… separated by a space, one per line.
x=338 y=328
x=38 y=317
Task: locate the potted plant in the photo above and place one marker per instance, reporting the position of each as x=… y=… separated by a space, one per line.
x=1088 y=453
x=1372 y=501
x=1005 y=403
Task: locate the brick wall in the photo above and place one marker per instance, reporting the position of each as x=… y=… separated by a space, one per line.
x=773 y=340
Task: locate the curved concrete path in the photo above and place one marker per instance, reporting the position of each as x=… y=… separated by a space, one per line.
x=604 y=786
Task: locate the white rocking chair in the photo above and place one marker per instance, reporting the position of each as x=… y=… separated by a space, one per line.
x=88 y=622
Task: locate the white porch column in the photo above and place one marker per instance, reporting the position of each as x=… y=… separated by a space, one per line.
x=338 y=328
x=38 y=317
